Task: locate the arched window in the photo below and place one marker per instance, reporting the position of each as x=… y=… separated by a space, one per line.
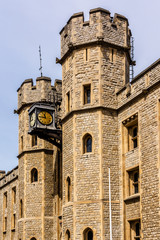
x=68 y=189
x=34 y=175
x=67 y=235
x=88 y=234
x=87 y=143
x=33 y=238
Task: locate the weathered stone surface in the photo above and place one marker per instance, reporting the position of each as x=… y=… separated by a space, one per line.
x=95 y=54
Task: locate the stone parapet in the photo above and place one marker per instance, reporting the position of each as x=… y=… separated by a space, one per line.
x=9 y=177
x=101 y=25
x=42 y=91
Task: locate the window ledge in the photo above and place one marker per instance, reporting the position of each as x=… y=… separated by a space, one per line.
x=86 y=104
x=132 y=150
x=34 y=183
x=87 y=154
x=137 y=195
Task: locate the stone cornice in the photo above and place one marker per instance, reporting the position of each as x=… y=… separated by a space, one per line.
x=91 y=109
x=153 y=65
x=140 y=95
x=9 y=182
x=99 y=41
x=48 y=151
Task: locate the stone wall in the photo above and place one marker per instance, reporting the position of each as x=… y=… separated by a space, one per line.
x=95 y=53
x=9 y=205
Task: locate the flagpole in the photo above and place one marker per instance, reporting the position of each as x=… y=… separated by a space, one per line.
x=110 y=209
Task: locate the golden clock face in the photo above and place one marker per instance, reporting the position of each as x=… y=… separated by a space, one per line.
x=32 y=119
x=45 y=118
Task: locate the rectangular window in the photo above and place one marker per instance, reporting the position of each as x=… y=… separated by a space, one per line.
x=5 y=200
x=86 y=54
x=113 y=53
x=34 y=140
x=133 y=181
x=68 y=102
x=5 y=224
x=131 y=133
x=14 y=221
x=21 y=208
x=135 y=230
x=21 y=143
x=14 y=195
x=87 y=94
x=133 y=137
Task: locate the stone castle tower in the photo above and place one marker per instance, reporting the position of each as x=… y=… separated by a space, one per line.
x=95 y=58
x=36 y=164
x=105 y=179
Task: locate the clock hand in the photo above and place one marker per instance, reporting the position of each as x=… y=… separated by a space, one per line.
x=41 y=117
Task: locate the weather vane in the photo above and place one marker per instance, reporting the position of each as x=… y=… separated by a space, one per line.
x=40 y=69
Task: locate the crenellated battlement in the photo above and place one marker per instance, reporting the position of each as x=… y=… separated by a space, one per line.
x=2 y=173
x=101 y=26
x=8 y=177
x=42 y=91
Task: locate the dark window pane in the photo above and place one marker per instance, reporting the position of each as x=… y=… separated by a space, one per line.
x=136 y=177
x=136 y=188
x=137 y=229
x=90 y=235
x=135 y=143
x=69 y=188
x=88 y=95
x=34 y=175
x=89 y=144
x=135 y=132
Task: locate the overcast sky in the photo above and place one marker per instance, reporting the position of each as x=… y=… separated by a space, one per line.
x=26 y=24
